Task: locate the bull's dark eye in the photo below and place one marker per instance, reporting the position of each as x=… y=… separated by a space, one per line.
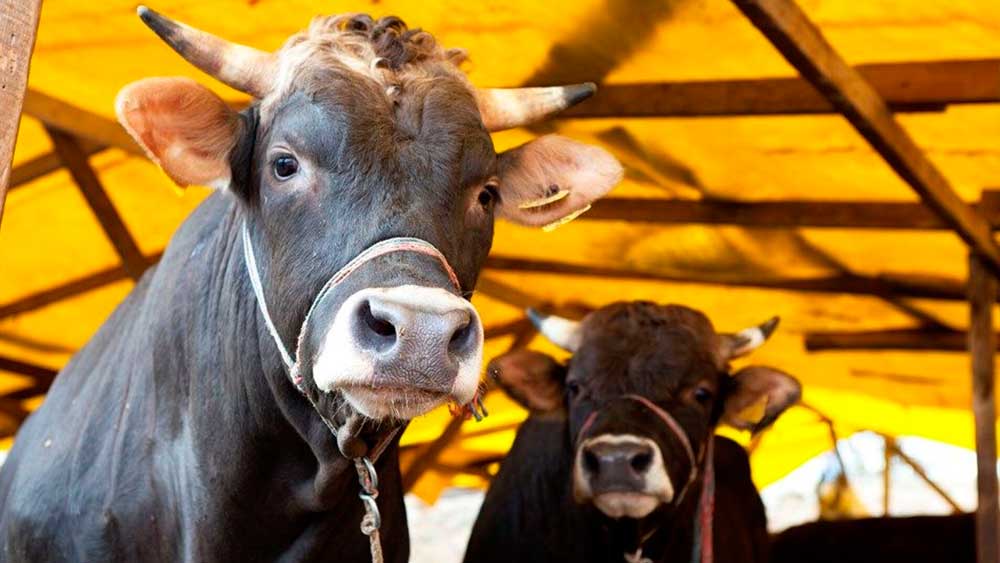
x=488 y=196
x=573 y=388
x=285 y=166
x=702 y=395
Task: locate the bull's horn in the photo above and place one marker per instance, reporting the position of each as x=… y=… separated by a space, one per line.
x=564 y=333
x=506 y=108
x=746 y=340
x=247 y=69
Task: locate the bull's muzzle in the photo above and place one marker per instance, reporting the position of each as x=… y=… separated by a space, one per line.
x=399 y=352
x=622 y=474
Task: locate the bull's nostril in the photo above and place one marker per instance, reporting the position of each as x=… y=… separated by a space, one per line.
x=591 y=463
x=379 y=326
x=461 y=339
x=640 y=462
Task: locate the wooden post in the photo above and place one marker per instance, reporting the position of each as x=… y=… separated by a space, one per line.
x=982 y=346
x=18 y=24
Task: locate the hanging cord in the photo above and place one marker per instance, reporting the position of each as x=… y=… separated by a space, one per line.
x=358 y=451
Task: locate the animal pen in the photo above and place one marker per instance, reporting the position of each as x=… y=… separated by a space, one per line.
x=831 y=198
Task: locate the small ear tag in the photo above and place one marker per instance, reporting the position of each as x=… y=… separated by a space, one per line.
x=754 y=412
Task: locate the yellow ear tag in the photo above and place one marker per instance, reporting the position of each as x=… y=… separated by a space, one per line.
x=754 y=412
x=560 y=222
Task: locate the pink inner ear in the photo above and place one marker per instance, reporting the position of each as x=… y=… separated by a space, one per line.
x=552 y=179
x=183 y=126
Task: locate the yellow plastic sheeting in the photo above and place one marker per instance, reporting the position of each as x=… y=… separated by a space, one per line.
x=87 y=51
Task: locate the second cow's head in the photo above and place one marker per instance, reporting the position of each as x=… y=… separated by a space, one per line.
x=361 y=131
x=643 y=380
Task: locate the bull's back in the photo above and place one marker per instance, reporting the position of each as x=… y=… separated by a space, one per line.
x=94 y=460
x=917 y=539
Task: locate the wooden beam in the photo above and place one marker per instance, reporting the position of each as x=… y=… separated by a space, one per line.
x=910 y=86
x=896 y=339
x=780 y=214
x=45 y=164
x=802 y=44
x=70 y=289
x=71 y=153
x=24 y=368
x=55 y=113
x=881 y=286
x=18 y=24
x=887 y=442
x=982 y=348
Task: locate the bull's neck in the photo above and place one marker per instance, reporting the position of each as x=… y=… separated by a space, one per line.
x=235 y=367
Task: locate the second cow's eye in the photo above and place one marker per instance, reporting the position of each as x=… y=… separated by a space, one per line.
x=285 y=166
x=702 y=394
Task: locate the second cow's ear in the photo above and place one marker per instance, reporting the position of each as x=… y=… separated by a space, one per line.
x=757 y=397
x=551 y=180
x=534 y=380
x=183 y=126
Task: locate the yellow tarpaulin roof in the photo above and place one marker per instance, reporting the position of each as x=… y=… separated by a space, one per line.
x=86 y=51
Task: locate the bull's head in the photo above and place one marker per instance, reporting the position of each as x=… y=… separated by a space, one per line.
x=361 y=131
x=643 y=380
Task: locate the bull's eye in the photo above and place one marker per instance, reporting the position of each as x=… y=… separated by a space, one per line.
x=573 y=388
x=488 y=196
x=285 y=166
x=703 y=395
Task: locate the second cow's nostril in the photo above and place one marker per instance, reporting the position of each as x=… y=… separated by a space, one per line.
x=591 y=463
x=640 y=461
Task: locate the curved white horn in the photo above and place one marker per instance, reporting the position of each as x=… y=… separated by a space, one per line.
x=747 y=340
x=564 y=333
x=506 y=108
x=244 y=68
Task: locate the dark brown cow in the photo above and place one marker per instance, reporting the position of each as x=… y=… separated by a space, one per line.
x=322 y=289
x=618 y=459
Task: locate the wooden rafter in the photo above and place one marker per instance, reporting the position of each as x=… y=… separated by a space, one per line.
x=880 y=286
x=802 y=44
x=68 y=290
x=895 y=339
x=59 y=114
x=18 y=24
x=780 y=214
x=24 y=368
x=75 y=159
x=910 y=86
x=45 y=164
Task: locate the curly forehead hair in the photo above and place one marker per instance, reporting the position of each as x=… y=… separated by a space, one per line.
x=384 y=49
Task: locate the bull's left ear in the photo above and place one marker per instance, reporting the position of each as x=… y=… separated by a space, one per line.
x=532 y=379
x=552 y=180
x=758 y=396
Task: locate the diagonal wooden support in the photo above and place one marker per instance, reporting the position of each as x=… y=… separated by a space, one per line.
x=982 y=348
x=84 y=124
x=428 y=456
x=800 y=41
x=75 y=159
x=45 y=164
x=18 y=24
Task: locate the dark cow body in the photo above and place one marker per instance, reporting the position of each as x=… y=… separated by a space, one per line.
x=619 y=460
x=529 y=514
x=214 y=458
x=188 y=428
x=915 y=539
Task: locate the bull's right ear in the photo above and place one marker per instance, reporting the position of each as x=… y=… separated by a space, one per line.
x=534 y=380
x=184 y=127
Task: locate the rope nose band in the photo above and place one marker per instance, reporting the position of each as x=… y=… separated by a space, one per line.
x=671 y=423
x=388 y=246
